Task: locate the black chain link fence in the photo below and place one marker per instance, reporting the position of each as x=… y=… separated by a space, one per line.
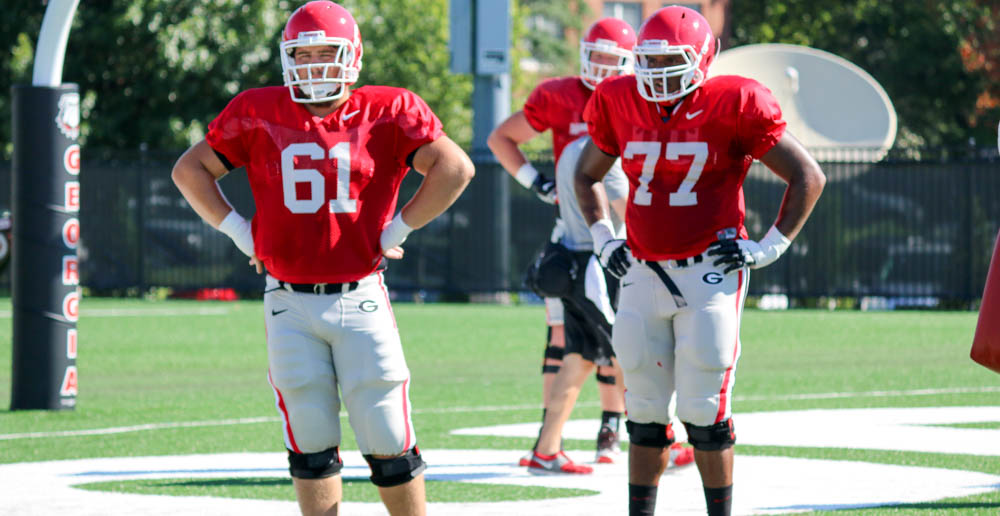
x=912 y=225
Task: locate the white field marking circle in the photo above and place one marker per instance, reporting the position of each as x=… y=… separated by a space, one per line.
x=905 y=429
x=762 y=484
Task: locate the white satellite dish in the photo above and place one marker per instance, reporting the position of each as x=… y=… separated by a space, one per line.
x=828 y=102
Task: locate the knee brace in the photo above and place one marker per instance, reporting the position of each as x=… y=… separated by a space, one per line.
x=653 y=435
x=315 y=465
x=605 y=379
x=719 y=436
x=552 y=353
x=397 y=470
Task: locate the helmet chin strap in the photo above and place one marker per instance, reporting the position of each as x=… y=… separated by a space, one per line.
x=318 y=92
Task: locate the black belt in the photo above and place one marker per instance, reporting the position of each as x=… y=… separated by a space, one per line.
x=667 y=282
x=684 y=262
x=319 y=288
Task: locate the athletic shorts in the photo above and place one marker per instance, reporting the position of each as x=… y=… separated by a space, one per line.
x=325 y=349
x=687 y=344
x=589 y=311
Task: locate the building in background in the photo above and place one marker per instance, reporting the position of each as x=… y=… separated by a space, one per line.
x=717 y=12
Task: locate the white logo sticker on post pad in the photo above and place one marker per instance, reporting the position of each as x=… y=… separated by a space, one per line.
x=68 y=117
x=71 y=233
x=71 y=160
x=71 y=306
x=69 y=383
x=71 y=343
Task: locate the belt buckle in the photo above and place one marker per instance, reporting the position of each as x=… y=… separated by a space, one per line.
x=287 y=286
x=319 y=288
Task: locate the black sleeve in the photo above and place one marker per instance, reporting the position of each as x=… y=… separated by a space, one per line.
x=409 y=157
x=225 y=161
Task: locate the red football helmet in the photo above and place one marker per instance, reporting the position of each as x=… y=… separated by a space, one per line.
x=673 y=31
x=321 y=22
x=610 y=36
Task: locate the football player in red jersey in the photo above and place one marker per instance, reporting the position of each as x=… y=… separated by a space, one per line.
x=686 y=142
x=325 y=164
x=557 y=104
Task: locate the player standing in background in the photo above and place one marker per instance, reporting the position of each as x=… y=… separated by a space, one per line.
x=588 y=295
x=325 y=164
x=686 y=144
x=557 y=104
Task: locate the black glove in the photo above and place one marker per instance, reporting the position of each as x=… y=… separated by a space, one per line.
x=614 y=258
x=731 y=254
x=544 y=188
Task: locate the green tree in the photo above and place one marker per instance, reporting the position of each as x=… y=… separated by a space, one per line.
x=155 y=72
x=18 y=23
x=981 y=53
x=406 y=44
x=546 y=34
x=913 y=48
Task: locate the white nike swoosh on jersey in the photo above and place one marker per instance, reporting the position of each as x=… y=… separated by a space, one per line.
x=690 y=116
x=349 y=115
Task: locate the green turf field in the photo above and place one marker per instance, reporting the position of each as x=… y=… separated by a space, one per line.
x=473 y=365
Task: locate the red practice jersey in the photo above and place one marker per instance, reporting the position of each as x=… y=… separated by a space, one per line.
x=558 y=104
x=685 y=163
x=324 y=187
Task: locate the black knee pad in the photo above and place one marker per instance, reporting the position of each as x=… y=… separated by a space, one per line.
x=552 y=353
x=653 y=435
x=397 y=470
x=606 y=380
x=719 y=436
x=315 y=465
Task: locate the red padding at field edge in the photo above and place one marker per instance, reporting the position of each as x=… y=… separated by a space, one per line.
x=986 y=343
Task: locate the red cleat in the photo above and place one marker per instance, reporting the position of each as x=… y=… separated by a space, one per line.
x=680 y=455
x=607 y=446
x=558 y=463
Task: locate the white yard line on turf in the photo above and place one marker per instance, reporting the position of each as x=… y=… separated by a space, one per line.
x=488 y=408
x=911 y=429
x=870 y=394
x=137 y=428
x=763 y=485
x=141 y=312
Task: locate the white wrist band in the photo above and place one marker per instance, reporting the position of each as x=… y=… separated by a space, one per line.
x=774 y=243
x=395 y=233
x=526 y=175
x=238 y=229
x=602 y=232
x=775 y=240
